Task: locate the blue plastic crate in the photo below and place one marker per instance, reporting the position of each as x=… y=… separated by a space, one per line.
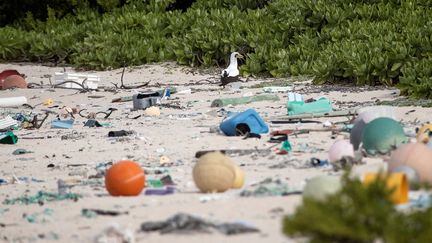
x=249 y=119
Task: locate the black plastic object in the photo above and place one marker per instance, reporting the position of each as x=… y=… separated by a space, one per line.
x=92 y=123
x=120 y=133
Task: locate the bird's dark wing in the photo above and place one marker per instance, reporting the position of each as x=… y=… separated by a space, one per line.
x=225 y=73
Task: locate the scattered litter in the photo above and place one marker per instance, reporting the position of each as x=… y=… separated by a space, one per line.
x=63 y=124
x=21 y=151
x=76 y=80
x=91 y=213
x=13 y=102
x=313 y=106
x=7 y=123
x=145 y=100
x=270 y=187
x=242 y=123
x=236 y=152
x=92 y=123
x=120 y=133
x=160 y=191
x=185 y=223
x=114 y=234
x=243 y=100
x=41 y=197
x=8 y=138
x=277 y=89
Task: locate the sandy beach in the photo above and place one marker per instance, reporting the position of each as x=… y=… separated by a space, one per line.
x=178 y=133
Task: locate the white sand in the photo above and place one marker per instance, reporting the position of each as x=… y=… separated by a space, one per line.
x=177 y=134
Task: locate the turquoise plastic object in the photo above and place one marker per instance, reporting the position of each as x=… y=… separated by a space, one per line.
x=382 y=135
x=318 y=106
x=65 y=124
x=8 y=138
x=248 y=120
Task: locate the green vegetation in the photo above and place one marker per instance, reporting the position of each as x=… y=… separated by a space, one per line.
x=368 y=42
x=358 y=214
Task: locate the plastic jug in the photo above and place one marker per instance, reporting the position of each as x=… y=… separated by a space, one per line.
x=247 y=121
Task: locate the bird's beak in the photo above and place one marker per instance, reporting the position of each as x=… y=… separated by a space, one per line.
x=240 y=56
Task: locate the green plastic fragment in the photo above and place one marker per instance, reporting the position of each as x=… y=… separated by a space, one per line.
x=8 y=138
x=286 y=146
x=154 y=183
x=383 y=135
x=300 y=107
x=42 y=197
x=243 y=100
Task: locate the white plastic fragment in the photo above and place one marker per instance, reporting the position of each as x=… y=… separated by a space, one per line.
x=13 y=102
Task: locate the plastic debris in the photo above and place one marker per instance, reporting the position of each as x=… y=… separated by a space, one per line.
x=242 y=123
x=160 y=191
x=42 y=197
x=91 y=213
x=63 y=124
x=13 y=101
x=185 y=223
x=76 y=80
x=114 y=233
x=270 y=187
x=382 y=135
x=243 y=100
x=277 y=89
x=21 y=151
x=145 y=100
x=120 y=133
x=8 y=138
x=316 y=106
x=285 y=148
x=7 y=122
x=92 y=123
x=236 y=152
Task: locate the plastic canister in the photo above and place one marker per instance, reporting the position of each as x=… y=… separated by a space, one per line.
x=248 y=119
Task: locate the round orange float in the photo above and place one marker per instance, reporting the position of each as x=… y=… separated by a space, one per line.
x=14 y=81
x=125 y=178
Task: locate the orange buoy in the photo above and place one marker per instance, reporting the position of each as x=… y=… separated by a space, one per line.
x=14 y=81
x=125 y=178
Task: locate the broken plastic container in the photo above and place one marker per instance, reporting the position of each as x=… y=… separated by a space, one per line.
x=145 y=100
x=248 y=121
x=91 y=81
x=319 y=106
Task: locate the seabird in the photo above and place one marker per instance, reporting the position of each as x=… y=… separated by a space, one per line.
x=231 y=73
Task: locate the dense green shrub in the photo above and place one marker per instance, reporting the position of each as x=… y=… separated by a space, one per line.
x=361 y=42
x=358 y=214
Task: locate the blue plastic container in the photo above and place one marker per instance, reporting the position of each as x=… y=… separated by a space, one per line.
x=65 y=124
x=249 y=120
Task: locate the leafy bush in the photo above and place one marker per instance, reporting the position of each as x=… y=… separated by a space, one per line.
x=358 y=214
x=363 y=42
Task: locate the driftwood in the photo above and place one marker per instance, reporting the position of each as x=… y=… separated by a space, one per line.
x=122 y=86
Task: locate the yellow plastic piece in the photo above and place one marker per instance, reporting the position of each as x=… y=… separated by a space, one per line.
x=396 y=181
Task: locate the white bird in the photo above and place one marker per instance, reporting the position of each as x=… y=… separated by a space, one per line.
x=231 y=73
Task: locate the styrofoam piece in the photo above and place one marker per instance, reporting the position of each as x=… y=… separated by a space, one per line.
x=91 y=81
x=294 y=97
x=7 y=122
x=13 y=102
